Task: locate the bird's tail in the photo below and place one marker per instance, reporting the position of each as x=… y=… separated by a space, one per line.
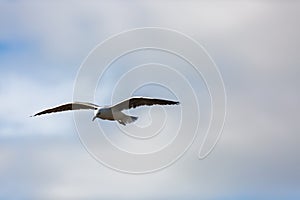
x=133 y=118
x=127 y=120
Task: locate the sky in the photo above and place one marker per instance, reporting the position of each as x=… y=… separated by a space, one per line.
x=255 y=45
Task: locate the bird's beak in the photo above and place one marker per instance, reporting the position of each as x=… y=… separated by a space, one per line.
x=94 y=118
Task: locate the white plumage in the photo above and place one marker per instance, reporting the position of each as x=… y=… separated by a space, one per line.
x=114 y=112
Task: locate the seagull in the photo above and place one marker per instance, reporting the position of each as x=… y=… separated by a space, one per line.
x=112 y=113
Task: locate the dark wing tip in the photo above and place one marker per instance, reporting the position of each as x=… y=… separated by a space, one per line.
x=35 y=115
x=39 y=113
x=175 y=103
x=170 y=102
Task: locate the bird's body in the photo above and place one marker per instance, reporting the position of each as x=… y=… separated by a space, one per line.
x=104 y=113
x=113 y=113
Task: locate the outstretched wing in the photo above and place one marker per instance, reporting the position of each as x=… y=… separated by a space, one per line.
x=142 y=101
x=69 y=106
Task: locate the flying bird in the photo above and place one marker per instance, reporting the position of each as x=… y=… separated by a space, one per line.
x=114 y=112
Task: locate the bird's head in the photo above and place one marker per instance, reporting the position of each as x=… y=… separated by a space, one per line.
x=96 y=114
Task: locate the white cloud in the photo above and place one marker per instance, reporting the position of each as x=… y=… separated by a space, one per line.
x=22 y=97
x=254 y=43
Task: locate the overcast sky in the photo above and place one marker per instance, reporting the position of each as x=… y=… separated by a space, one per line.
x=255 y=44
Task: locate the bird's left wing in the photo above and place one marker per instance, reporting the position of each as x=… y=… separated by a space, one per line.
x=69 y=106
x=141 y=101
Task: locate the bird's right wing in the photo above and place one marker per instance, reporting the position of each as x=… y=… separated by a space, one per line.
x=69 y=106
x=134 y=102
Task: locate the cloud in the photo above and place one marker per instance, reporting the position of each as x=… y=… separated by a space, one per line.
x=255 y=44
x=22 y=97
